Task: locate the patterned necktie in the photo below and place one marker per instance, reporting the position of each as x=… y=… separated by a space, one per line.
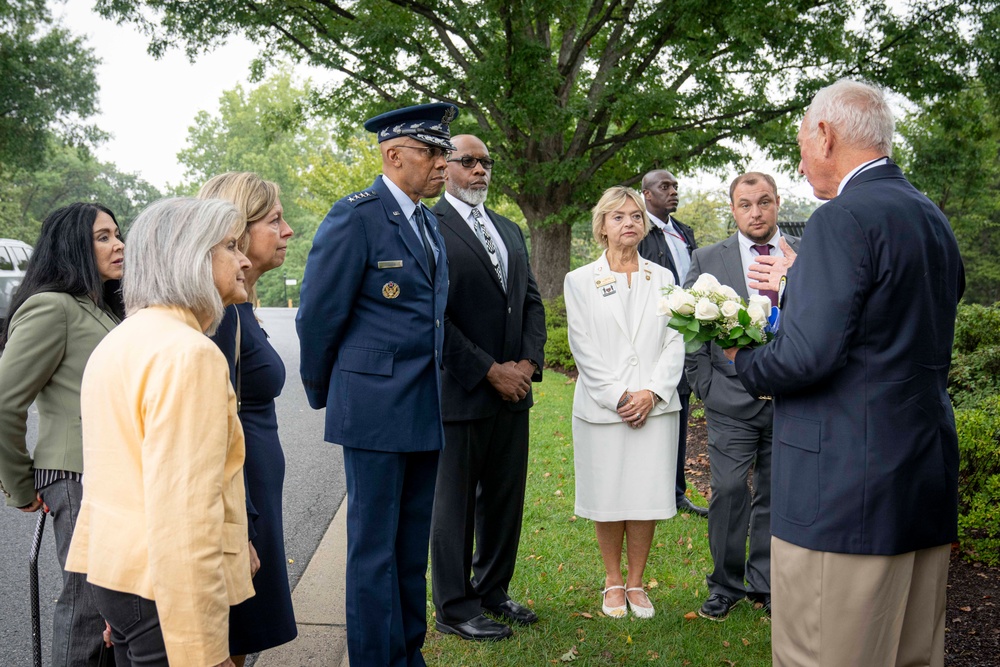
x=765 y=249
x=487 y=241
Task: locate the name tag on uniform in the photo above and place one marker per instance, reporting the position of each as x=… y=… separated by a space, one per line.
x=391 y=264
x=607 y=280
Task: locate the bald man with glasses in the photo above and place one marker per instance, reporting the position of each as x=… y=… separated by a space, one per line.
x=494 y=343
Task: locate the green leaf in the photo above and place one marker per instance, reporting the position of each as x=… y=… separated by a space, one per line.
x=736 y=332
x=690 y=335
x=744 y=341
x=743 y=317
x=755 y=334
x=694 y=325
x=678 y=322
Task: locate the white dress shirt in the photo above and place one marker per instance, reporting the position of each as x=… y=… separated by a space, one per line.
x=465 y=211
x=748 y=255
x=677 y=245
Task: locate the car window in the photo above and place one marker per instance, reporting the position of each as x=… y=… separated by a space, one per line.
x=20 y=257
x=6 y=264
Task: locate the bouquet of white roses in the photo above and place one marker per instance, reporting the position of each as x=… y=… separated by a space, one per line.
x=710 y=311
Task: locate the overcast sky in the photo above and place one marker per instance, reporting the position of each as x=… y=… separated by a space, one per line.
x=147 y=105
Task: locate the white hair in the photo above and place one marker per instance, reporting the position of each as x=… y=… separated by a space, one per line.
x=168 y=257
x=857 y=111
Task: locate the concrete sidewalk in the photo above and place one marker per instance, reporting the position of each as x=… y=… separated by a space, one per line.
x=318 y=599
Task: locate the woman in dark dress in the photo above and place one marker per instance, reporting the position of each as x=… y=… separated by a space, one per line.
x=267 y=619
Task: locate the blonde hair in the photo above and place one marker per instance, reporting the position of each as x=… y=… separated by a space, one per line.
x=612 y=200
x=254 y=198
x=169 y=256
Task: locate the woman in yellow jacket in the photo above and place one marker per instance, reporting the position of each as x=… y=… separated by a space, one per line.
x=162 y=534
x=67 y=304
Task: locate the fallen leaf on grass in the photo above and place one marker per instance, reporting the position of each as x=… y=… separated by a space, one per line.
x=691 y=615
x=653 y=655
x=586 y=615
x=746 y=642
x=726 y=644
x=570 y=655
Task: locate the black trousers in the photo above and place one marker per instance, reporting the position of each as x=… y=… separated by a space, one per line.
x=479 y=496
x=135 y=628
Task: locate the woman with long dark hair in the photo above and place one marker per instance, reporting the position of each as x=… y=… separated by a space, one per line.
x=66 y=304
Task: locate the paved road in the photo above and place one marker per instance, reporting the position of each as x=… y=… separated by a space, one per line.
x=314 y=488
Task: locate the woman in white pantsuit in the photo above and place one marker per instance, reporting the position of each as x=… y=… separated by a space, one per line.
x=625 y=408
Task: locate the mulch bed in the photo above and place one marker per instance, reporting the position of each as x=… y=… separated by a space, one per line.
x=972 y=623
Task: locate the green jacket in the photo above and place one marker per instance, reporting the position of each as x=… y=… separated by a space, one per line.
x=51 y=338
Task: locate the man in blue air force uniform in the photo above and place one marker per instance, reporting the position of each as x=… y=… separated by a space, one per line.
x=371 y=327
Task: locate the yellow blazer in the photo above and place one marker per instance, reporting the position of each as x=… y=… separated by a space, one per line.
x=163 y=513
x=52 y=336
x=613 y=355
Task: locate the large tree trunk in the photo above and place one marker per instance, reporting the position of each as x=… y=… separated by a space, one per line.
x=550 y=248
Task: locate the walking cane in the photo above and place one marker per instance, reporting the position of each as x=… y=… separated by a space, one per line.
x=36 y=623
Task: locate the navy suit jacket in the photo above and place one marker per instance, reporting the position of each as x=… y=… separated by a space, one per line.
x=865 y=456
x=484 y=324
x=371 y=326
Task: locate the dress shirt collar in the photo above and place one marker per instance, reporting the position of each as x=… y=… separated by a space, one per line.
x=878 y=162
x=659 y=224
x=464 y=209
x=748 y=244
x=406 y=205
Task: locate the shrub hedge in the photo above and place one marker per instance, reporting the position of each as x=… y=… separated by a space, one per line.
x=557 y=353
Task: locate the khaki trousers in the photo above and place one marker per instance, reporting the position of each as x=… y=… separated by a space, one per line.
x=848 y=610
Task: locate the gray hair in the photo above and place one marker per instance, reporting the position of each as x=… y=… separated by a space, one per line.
x=168 y=258
x=858 y=111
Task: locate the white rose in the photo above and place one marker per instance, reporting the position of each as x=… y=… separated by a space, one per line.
x=730 y=309
x=756 y=313
x=762 y=301
x=706 y=283
x=728 y=292
x=705 y=310
x=663 y=306
x=681 y=302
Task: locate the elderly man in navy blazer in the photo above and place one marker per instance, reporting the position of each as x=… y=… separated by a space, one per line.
x=865 y=460
x=371 y=328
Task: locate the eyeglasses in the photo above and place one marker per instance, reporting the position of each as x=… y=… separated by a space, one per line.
x=469 y=162
x=433 y=152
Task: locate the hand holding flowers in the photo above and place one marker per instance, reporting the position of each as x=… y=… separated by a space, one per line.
x=710 y=311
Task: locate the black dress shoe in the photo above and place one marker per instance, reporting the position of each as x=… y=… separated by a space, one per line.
x=478 y=628
x=717 y=607
x=760 y=601
x=685 y=505
x=513 y=612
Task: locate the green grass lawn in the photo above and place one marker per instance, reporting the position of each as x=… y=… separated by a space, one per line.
x=560 y=575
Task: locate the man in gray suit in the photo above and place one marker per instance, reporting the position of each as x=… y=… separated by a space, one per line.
x=739 y=425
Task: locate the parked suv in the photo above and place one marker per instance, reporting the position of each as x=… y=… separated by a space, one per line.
x=13 y=261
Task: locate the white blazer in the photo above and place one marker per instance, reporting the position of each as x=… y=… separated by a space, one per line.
x=613 y=357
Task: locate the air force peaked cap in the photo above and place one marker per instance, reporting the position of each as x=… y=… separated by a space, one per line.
x=425 y=122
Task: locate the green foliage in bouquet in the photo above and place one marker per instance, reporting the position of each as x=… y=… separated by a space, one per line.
x=710 y=311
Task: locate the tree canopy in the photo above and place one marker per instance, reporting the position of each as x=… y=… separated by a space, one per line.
x=573 y=96
x=48 y=84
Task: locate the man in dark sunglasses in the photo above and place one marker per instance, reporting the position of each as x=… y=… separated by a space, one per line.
x=493 y=350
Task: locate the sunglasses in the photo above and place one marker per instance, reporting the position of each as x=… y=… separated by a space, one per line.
x=469 y=162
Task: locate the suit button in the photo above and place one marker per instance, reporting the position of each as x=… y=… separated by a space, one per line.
x=437 y=323
x=633 y=360
x=508 y=310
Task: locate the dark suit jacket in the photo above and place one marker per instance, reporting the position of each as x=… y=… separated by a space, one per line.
x=654 y=247
x=483 y=324
x=710 y=374
x=865 y=449
x=371 y=326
